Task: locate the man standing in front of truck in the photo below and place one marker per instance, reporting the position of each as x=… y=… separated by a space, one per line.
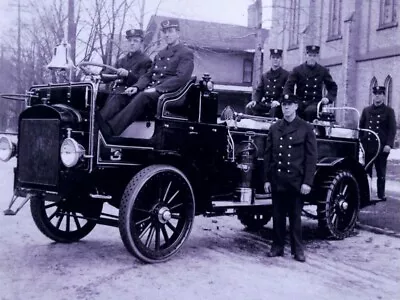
x=289 y=163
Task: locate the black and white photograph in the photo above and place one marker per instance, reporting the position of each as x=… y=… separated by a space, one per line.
x=199 y=149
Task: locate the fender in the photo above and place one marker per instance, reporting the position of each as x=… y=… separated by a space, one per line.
x=331 y=164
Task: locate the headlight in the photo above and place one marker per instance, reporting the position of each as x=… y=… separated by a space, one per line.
x=71 y=152
x=210 y=86
x=7 y=148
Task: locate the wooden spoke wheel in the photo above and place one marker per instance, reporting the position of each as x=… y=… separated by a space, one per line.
x=65 y=221
x=337 y=213
x=156 y=213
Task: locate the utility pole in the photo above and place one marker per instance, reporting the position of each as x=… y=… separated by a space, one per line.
x=71 y=35
x=141 y=25
x=19 y=83
x=257 y=62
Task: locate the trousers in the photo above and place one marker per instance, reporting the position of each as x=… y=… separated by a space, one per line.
x=142 y=105
x=265 y=110
x=380 y=166
x=289 y=203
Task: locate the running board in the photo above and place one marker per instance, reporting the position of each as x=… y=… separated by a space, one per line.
x=235 y=204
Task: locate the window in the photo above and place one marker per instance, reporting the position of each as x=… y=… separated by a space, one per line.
x=373 y=83
x=388 y=86
x=388 y=15
x=294 y=23
x=335 y=19
x=247 y=71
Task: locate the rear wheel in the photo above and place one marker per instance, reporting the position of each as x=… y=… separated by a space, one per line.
x=254 y=220
x=338 y=211
x=65 y=221
x=156 y=213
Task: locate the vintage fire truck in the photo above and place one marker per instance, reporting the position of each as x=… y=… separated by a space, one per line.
x=164 y=170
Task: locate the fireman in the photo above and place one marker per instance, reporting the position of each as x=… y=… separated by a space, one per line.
x=309 y=79
x=379 y=118
x=290 y=163
x=268 y=93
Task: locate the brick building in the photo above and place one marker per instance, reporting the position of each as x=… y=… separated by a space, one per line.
x=359 y=42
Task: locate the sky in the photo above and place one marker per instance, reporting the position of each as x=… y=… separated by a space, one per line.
x=222 y=11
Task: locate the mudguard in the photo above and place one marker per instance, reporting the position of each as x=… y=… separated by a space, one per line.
x=328 y=165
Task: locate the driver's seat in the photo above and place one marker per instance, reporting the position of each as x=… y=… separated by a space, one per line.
x=175 y=105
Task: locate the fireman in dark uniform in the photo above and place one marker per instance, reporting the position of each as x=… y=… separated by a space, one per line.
x=290 y=162
x=309 y=79
x=130 y=68
x=172 y=69
x=381 y=119
x=268 y=93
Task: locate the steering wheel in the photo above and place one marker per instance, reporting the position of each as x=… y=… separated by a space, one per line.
x=83 y=64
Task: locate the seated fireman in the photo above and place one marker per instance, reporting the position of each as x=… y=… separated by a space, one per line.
x=309 y=79
x=172 y=69
x=130 y=68
x=269 y=91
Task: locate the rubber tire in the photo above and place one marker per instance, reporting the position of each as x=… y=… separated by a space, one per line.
x=323 y=207
x=48 y=229
x=128 y=201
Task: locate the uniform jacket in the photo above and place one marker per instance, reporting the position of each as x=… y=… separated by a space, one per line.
x=309 y=81
x=290 y=155
x=172 y=68
x=380 y=119
x=137 y=63
x=271 y=85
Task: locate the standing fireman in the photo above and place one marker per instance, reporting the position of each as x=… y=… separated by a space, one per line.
x=290 y=163
x=309 y=79
x=269 y=92
x=381 y=119
x=130 y=68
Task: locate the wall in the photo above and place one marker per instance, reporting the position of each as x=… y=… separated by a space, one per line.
x=223 y=67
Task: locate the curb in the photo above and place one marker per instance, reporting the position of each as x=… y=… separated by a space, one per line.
x=377 y=230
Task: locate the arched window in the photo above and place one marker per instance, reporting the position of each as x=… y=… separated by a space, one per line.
x=388 y=86
x=373 y=83
x=388 y=13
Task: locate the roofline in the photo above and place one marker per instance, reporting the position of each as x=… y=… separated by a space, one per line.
x=208 y=22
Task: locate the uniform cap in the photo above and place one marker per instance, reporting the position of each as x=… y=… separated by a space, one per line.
x=276 y=52
x=170 y=23
x=289 y=98
x=312 y=49
x=379 y=90
x=134 y=33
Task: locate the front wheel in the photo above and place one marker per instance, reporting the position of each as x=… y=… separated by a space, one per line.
x=67 y=220
x=156 y=213
x=338 y=211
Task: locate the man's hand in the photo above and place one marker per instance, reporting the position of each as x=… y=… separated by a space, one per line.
x=305 y=189
x=150 y=90
x=387 y=149
x=325 y=100
x=122 y=72
x=131 y=90
x=251 y=104
x=275 y=103
x=267 y=187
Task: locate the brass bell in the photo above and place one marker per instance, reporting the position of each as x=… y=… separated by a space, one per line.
x=61 y=57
